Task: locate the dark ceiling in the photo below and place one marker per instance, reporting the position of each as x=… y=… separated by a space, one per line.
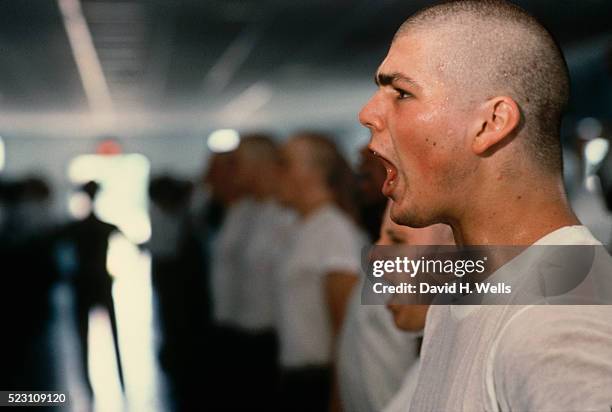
x=196 y=60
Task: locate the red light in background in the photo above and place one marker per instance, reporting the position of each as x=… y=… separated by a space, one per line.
x=109 y=147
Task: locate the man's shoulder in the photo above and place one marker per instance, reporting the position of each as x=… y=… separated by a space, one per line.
x=550 y=356
x=546 y=324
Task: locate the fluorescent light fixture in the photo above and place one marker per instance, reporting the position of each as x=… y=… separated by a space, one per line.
x=223 y=140
x=246 y=104
x=231 y=60
x=84 y=51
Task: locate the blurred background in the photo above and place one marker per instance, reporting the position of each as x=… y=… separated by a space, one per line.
x=138 y=97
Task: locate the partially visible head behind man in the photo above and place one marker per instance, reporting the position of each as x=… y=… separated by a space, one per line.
x=493 y=47
x=411 y=317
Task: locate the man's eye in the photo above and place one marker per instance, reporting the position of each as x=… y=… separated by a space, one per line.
x=402 y=94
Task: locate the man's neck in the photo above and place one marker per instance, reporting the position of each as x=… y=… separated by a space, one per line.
x=520 y=217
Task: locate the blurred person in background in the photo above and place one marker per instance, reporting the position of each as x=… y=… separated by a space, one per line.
x=26 y=252
x=89 y=239
x=241 y=291
x=33 y=212
x=410 y=318
x=258 y=172
x=169 y=222
x=11 y=193
x=319 y=271
x=219 y=194
x=372 y=203
x=3 y=208
x=27 y=209
x=228 y=247
x=375 y=359
x=178 y=284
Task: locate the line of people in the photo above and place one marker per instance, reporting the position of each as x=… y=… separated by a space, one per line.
x=286 y=278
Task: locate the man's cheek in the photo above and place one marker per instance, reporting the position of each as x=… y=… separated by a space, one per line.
x=419 y=160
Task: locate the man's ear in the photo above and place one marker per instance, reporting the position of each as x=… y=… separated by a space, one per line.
x=497 y=118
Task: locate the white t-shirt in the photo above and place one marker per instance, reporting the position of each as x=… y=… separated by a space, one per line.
x=520 y=358
x=228 y=267
x=325 y=241
x=266 y=247
x=373 y=356
x=402 y=399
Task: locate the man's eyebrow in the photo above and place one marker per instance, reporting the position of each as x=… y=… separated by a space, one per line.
x=386 y=79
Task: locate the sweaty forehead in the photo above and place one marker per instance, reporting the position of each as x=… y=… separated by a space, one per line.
x=417 y=55
x=451 y=57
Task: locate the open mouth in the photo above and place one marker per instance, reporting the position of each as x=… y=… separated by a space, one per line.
x=391 y=179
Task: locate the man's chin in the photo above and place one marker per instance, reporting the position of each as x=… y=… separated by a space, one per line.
x=406 y=215
x=401 y=214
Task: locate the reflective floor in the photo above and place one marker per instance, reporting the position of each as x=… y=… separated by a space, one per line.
x=144 y=382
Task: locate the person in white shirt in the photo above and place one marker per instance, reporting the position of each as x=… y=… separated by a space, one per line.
x=259 y=173
x=255 y=167
x=378 y=352
x=261 y=255
x=245 y=261
x=318 y=271
x=227 y=267
x=466 y=120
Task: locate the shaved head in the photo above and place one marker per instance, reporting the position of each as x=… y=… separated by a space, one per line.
x=319 y=157
x=322 y=153
x=258 y=147
x=257 y=161
x=487 y=48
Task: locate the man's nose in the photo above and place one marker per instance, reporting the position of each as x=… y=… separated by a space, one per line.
x=370 y=115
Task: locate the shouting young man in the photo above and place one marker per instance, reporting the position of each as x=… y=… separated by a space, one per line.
x=466 y=120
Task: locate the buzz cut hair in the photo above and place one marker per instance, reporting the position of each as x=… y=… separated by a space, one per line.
x=500 y=49
x=260 y=147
